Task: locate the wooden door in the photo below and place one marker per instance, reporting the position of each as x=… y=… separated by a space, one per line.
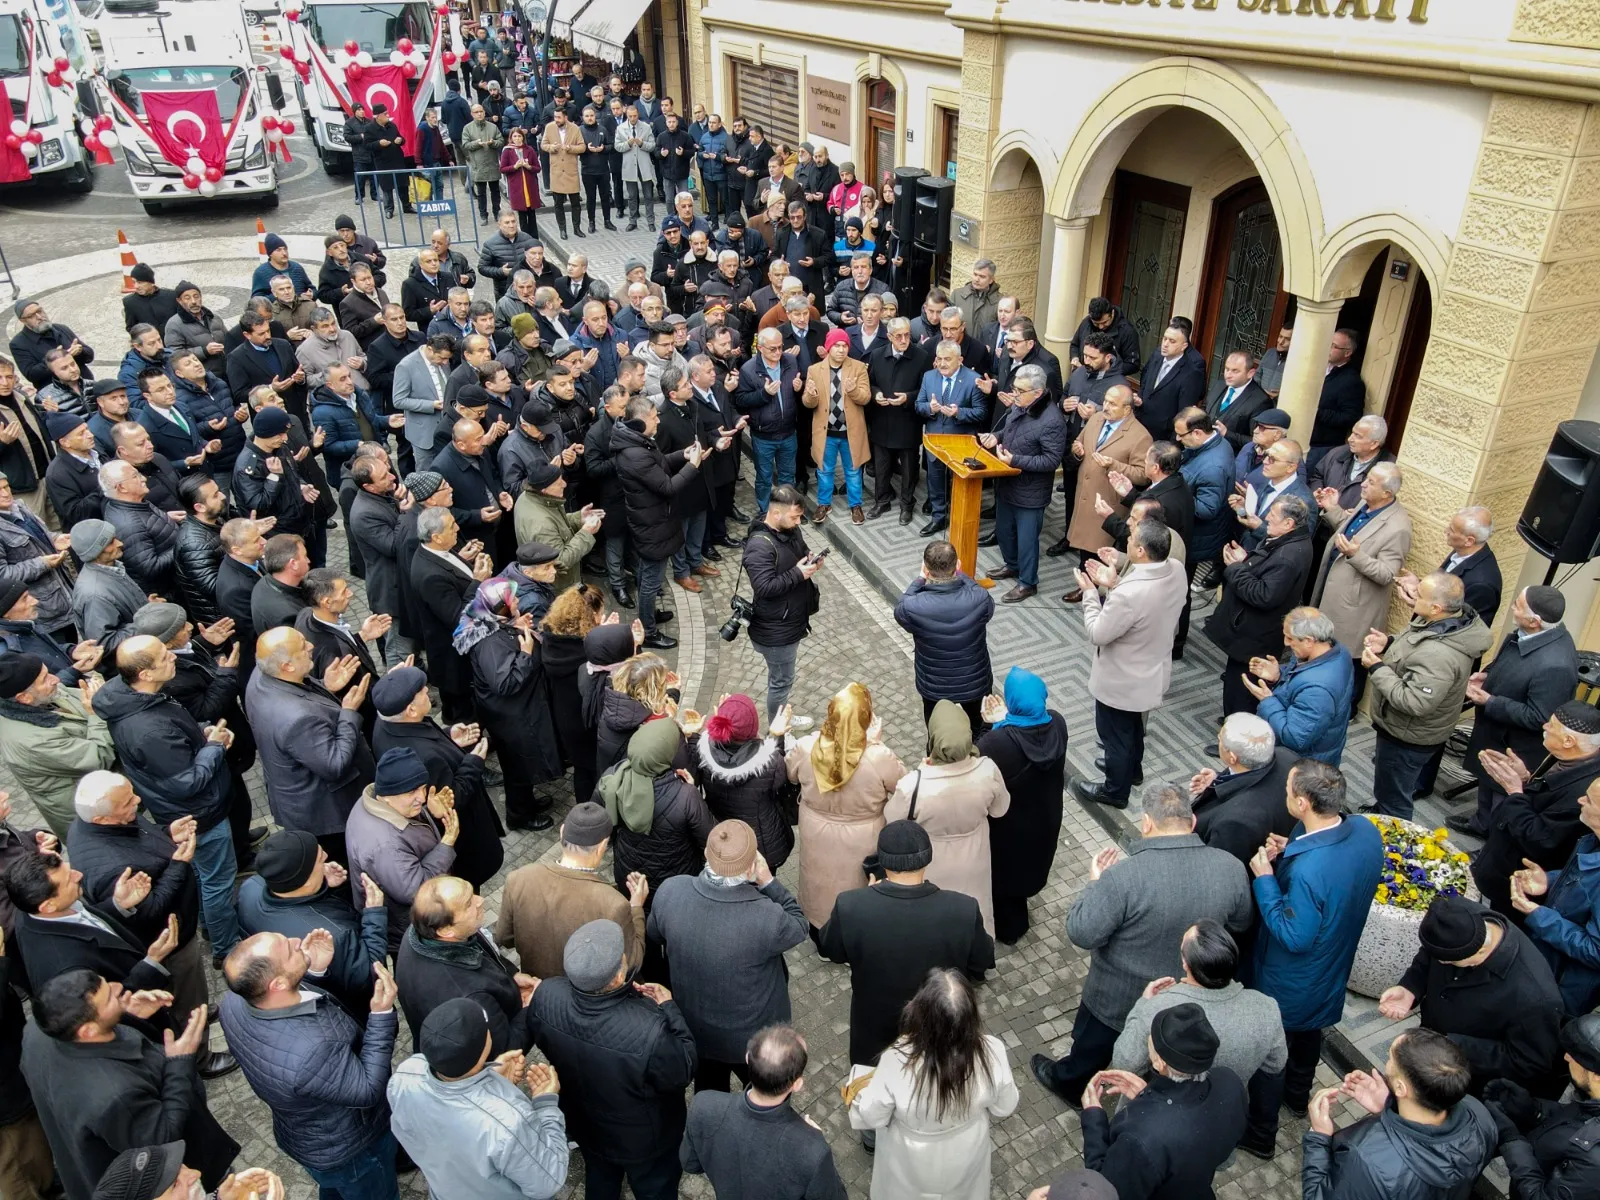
x=1242 y=301
x=1147 y=219
x=880 y=132
x=1413 y=345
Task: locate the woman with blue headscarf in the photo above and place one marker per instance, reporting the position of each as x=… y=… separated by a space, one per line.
x=1029 y=744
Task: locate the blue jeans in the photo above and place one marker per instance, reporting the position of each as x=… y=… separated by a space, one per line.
x=1017 y=530
x=694 y=537
x=837 y=448
x=214 y=863
x=369 y=1175
x=368 y=183
x=770 y=453
x=1396 y=768
x=649 y=574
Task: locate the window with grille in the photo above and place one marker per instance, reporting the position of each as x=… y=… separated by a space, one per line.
x=769 y=97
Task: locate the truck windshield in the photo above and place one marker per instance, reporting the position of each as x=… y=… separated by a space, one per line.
x=13 y=47
x=187 y=78
x=374 y=27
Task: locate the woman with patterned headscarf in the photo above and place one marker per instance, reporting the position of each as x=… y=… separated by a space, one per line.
x=1029 y=745
x=513 y=699
x=952 y=795
x=846 y=775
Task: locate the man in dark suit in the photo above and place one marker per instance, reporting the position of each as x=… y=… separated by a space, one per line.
x=1237 y=398
x=1173 y=380
x=993 y=335
x=1534 y=672
x=442 y=583
x=1023 y=349
x=1167 y=488
x=1237 y=806
x=808 y=251
x=264 y=359
x=1344 y=394
x=277 y=599
x=802 y=346
x=1471 y=560
x=950 y=402
x=321 y=623
x=483 y=507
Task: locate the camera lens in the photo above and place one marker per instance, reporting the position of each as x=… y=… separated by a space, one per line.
x=729 y=630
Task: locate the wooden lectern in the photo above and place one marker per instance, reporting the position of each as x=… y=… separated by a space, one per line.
x=966 y=491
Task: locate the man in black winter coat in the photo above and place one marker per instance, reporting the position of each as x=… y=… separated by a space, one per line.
x=1553 y=1150
x=72 y=481
x=895 y=429
x=1105 y=318
x=651 y=482
x=808 y=251
x=102 y=1086
x=446 y=953
x=38 y=336
x=1259 y=587
x=263 y=359
x=755 y=1146
x=625 y=1056
x=947 y=616
x=1239 y=804
x=894 y=932
x=442 y=583
x=149 y=537
x=198 y=554
x=780 y=565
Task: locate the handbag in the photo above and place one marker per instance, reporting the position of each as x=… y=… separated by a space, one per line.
x=870 y=863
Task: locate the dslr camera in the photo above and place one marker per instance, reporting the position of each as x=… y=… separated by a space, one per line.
x=743 y=610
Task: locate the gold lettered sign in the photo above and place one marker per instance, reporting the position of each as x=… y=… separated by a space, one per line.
x=828 y=109
x=1415 y=11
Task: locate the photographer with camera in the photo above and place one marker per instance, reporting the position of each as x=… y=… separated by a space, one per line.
x=780 y=567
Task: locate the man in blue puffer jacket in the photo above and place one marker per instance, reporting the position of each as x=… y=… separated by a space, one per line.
x=713 y=148
x=321 y=1074
x=1207 y=468
x=947 y=615
x=1302 y=698
x=334 y=406
x=205 y=400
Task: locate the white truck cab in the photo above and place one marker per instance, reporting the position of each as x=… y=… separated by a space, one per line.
x=178 y=46
x=30 y=31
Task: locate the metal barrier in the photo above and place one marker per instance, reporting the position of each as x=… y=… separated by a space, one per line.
x=448 y=206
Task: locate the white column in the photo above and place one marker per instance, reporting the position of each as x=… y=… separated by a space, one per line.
x=1314 y=323
x=1066 y=281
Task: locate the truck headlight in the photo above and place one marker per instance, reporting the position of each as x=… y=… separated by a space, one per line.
x=51 y=152
x=138 y=164
x=335 y=134
x=256 y=160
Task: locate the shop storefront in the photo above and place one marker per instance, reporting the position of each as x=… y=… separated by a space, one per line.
x=1428 y=175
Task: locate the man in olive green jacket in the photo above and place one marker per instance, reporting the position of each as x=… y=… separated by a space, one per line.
x=541 y=515
x=1419 y=683
x=49 y=737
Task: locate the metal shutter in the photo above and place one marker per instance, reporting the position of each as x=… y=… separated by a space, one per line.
x=768 y=97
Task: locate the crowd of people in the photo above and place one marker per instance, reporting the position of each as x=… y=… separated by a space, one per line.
x=516 y=481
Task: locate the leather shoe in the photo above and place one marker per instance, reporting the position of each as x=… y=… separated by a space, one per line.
x=857 y=517
x=688 y=583
x=217 y=1064
x=739 y=515
x=877 y=510
x=660 y=641
x=1003 y=573
x=710 y=554
x=989 y=539
x=927 y=508
x=1100 y=765
x=1266 y=1151
x=534 y=822
x=258 y=834
x=1018 y=594
x=820 y=515
x=623 y=597
x=1093 y=791
x=663 y=616
x=1057 y=549
x=1043 y=1068
x=933 y=527
x=905 y=517
x=706 y=572
x=1075 y=596
x=731 y=542
x=1466 y=825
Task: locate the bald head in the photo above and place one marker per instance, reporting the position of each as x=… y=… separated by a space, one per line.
x=444 y=909
x=1440 y=595
x=264 y=968
x=284 y=654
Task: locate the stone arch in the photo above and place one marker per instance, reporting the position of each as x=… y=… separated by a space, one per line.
x=1348 y=251
x=1239 y=106
x=1013 y=225
x=878 y=66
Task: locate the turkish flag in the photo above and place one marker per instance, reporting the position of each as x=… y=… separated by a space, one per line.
x=187 y=123
x=387 y=86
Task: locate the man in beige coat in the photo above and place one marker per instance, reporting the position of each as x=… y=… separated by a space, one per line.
x=546 y=903
x=1132 y=631
x=838 y=431
x=1357 y=573
x=1112 y=440
x=563 y=142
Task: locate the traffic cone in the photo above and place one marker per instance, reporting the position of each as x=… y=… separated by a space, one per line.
x=261 y=241
x=128 y=261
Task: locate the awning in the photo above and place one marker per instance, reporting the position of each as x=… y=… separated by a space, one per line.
x=601 y=26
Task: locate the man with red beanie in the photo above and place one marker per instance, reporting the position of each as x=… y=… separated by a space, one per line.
x=838 y=390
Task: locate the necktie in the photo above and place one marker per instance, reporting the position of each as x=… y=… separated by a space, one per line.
x=178 y=417
x=1227 y=400
x=1161 y=375
x=1262 y=504
x=1105 y=433
x=944 y=395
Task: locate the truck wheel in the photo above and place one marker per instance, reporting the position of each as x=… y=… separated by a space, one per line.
x=153 y=208
x=79 y=180
x=336 y=163
x=270 y=200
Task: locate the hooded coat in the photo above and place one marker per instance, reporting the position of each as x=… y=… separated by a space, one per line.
x=1419 y=686
x=743 y=781
x=165 y=755
x=513 y=699
x=1032 y=761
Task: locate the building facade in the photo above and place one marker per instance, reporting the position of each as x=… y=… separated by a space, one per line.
x=1426 y=174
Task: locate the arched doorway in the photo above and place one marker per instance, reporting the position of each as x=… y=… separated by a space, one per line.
x=1242 y=300
x=1013 y=232
x=881 y=140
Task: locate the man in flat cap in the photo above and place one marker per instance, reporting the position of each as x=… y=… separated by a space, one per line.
x=625 y=1056
x=1480 y=981
x=463 y=1116
x=540 y=515
x=50 y=736
x=296 y=890
x=544 y=904
x=159 y=1173
x=38 y=335
x=1172 y=1133
x=72 y=480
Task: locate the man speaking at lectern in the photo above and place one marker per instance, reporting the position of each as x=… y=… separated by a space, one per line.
x=950 y=401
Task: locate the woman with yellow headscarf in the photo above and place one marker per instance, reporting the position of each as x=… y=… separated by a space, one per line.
x=957 y=790
x=846 y=776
